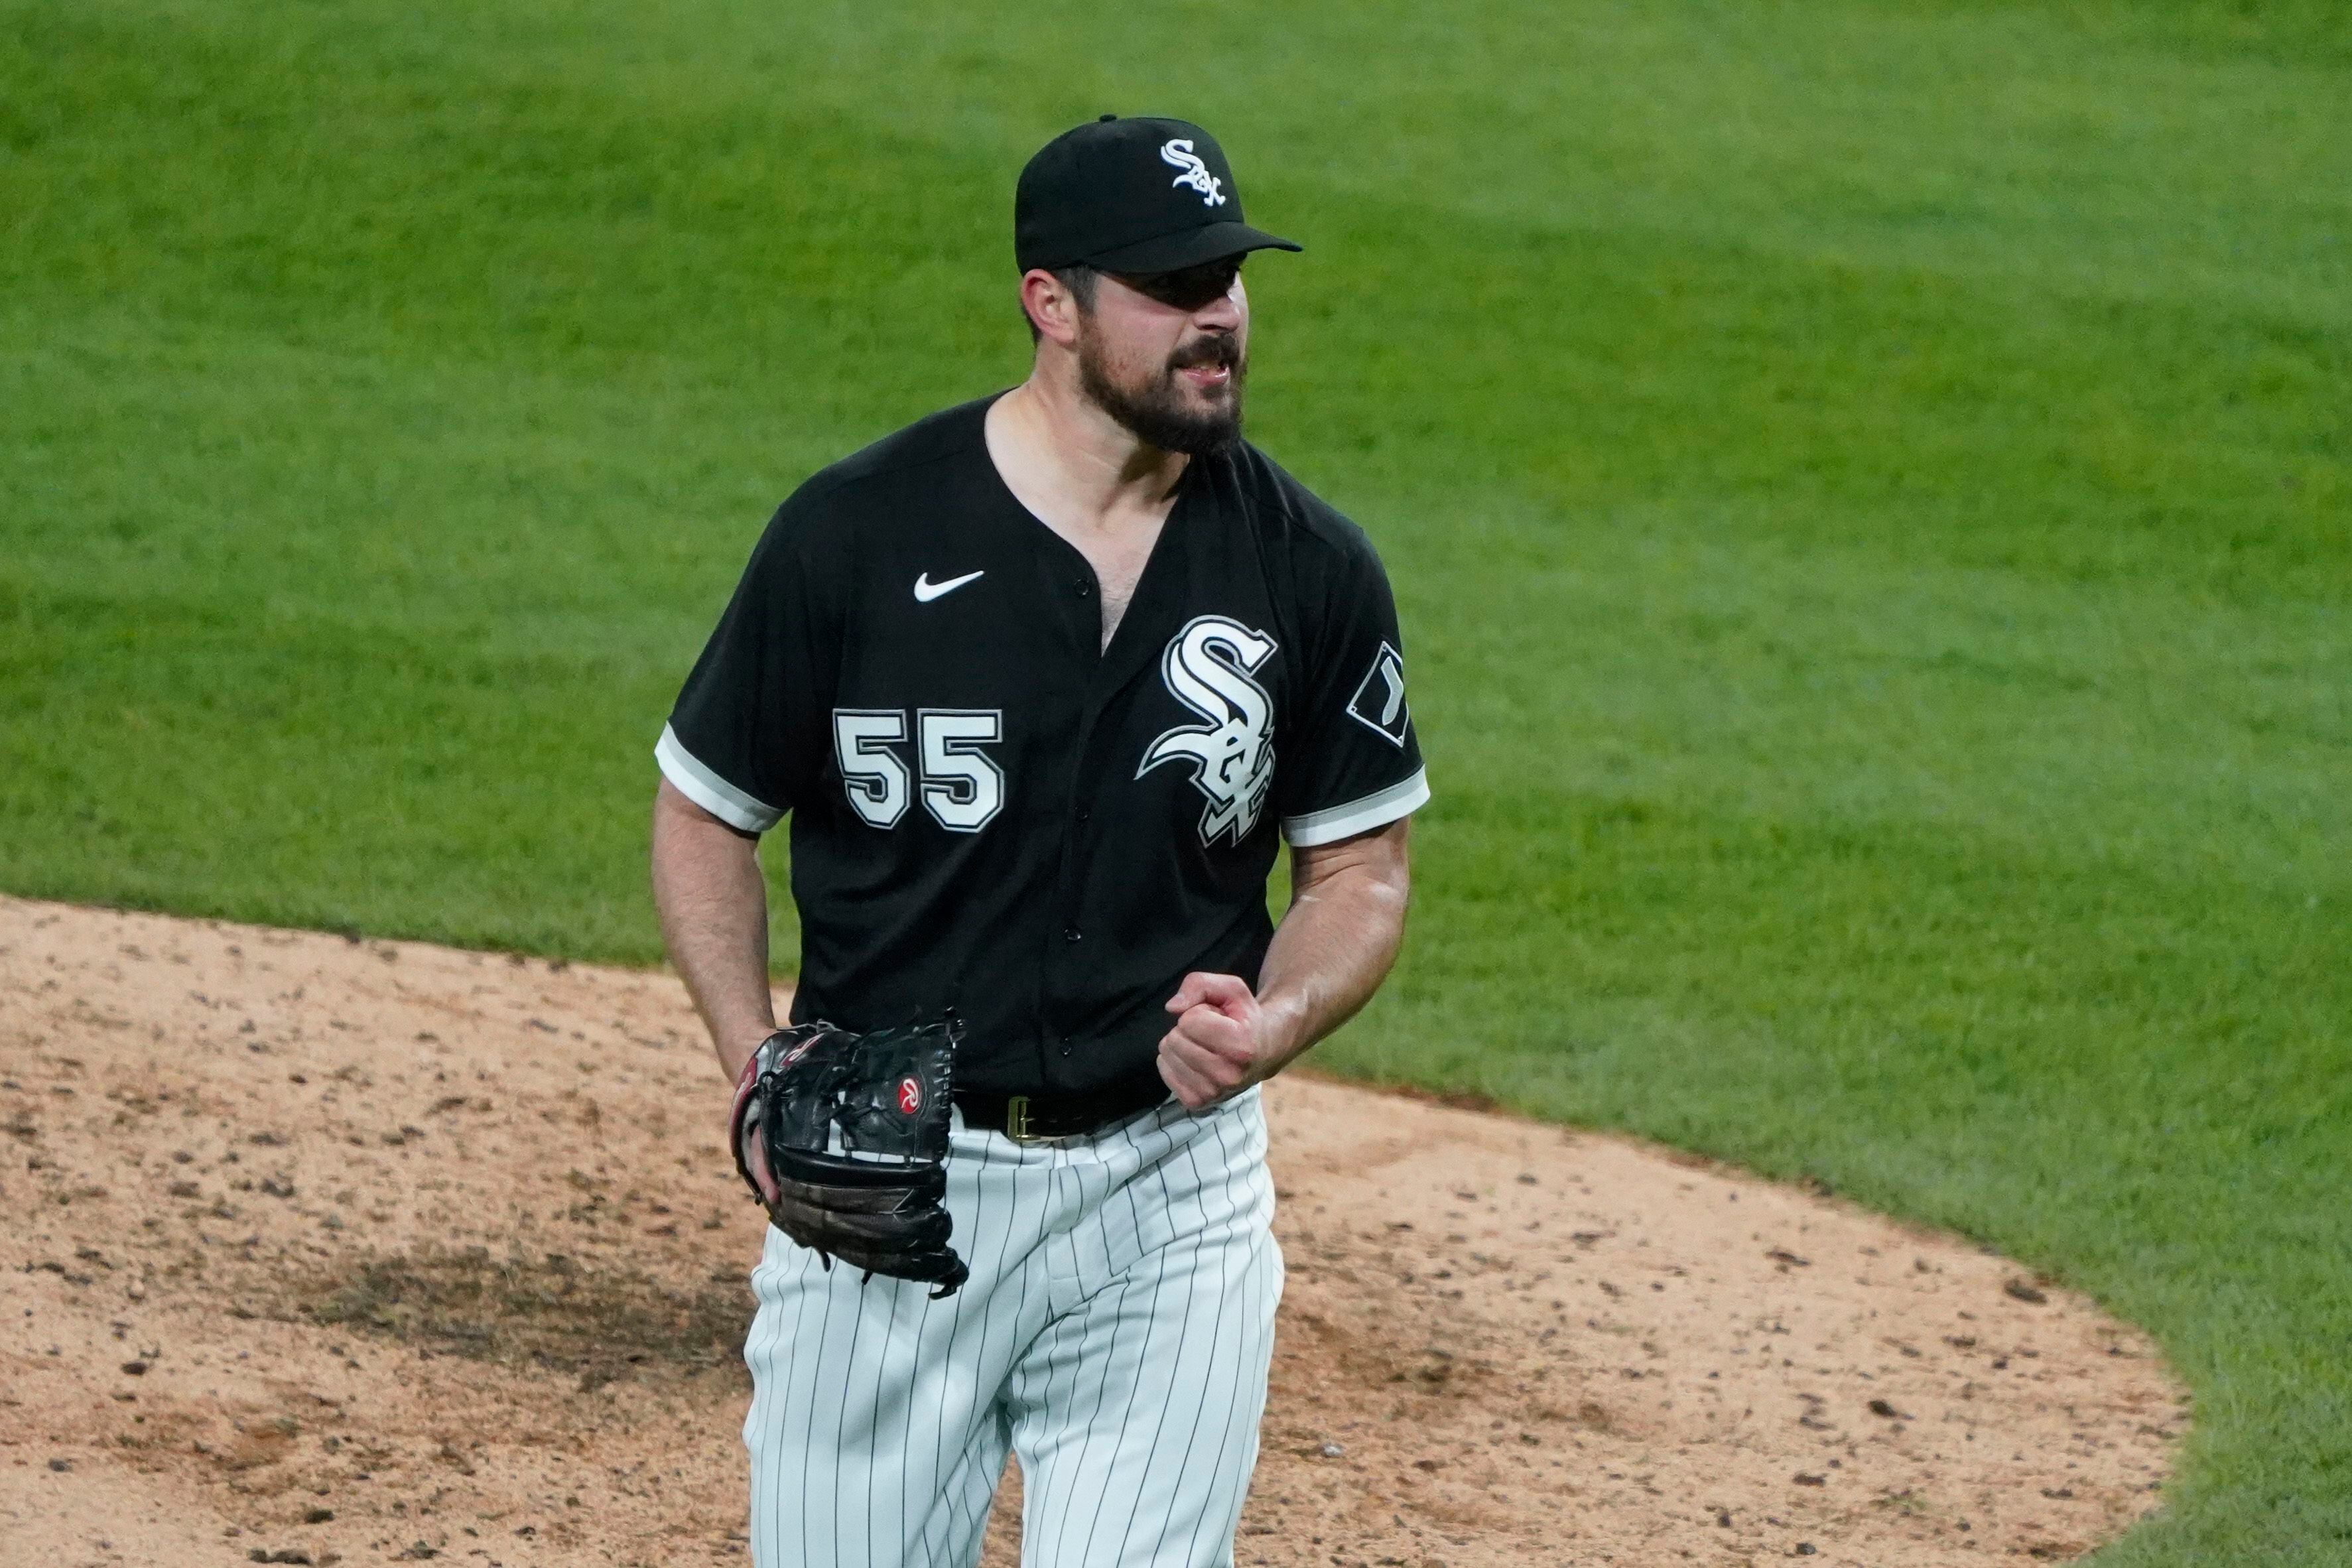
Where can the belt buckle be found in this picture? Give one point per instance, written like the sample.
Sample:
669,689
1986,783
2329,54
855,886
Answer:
1016,1121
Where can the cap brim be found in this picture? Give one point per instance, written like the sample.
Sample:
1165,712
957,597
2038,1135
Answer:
1188,247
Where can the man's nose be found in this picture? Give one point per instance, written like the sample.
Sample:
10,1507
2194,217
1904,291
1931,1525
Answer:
1221,314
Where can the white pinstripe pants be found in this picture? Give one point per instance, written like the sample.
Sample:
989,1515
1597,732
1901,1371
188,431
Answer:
1115,1334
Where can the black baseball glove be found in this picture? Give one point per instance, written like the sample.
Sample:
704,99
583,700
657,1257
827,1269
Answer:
876,1203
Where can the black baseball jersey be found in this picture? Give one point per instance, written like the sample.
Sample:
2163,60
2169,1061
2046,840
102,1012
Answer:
993,815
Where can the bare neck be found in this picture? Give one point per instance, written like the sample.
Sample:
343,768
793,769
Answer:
1076,467
1086,476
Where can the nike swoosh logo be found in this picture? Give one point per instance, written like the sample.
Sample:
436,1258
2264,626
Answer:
926,590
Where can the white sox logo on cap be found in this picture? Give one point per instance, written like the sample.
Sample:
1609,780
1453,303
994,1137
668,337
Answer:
1102,194
1179,154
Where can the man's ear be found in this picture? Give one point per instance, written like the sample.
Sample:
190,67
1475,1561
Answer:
1053,309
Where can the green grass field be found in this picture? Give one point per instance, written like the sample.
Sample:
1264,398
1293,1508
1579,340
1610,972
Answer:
1869,486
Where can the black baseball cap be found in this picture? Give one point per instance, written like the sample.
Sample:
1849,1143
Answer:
1131,195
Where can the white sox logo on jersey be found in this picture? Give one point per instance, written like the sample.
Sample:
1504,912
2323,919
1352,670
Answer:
1208,667
1179,154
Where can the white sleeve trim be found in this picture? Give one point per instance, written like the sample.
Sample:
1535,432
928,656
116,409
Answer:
709,791
1359,816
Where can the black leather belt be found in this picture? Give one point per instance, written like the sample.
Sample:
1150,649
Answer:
1033,1119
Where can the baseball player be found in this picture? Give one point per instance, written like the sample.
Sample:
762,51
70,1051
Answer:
1041,682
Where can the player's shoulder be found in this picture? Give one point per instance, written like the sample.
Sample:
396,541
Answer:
1292,519
924,452
818,529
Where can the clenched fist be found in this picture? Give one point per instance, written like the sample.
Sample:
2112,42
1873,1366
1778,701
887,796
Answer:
1221,1043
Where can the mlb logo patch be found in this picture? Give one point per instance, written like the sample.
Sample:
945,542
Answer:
1379,703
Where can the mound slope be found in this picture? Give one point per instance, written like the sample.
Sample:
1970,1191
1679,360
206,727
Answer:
327,1250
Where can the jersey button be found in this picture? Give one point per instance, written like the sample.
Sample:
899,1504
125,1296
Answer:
1070,934
1085,589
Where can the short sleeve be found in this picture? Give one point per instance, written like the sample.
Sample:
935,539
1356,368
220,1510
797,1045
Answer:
1353,761
748,725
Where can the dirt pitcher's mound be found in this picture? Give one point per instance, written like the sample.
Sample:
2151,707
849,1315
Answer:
329,1250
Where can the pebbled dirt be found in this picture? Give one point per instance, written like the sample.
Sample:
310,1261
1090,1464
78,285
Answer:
323,1250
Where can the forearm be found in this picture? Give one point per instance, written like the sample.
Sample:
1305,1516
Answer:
713,904
1336,942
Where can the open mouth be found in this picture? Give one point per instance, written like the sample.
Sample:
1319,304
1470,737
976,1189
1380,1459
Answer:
1208,363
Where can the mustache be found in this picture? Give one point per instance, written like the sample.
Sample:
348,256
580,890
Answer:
1217,348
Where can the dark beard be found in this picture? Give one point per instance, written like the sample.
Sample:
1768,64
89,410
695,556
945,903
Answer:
1158,417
